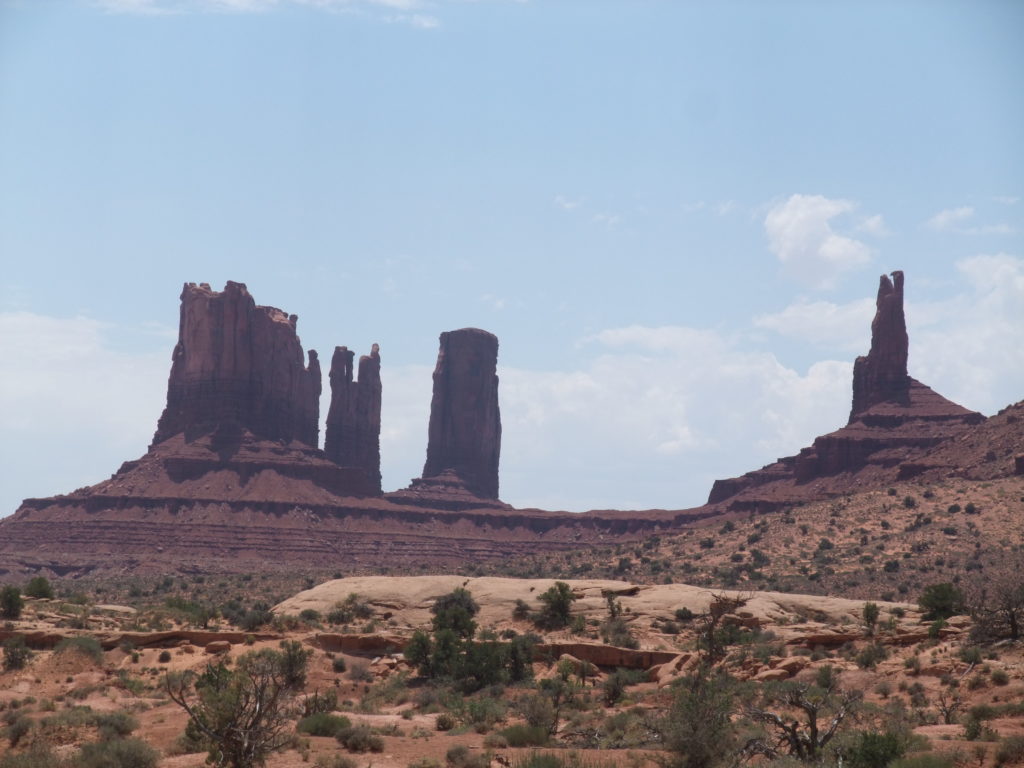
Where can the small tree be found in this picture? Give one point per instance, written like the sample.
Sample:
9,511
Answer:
940,601
698,729
10,602
801,719
870,614
709,637
557,600
39,587
244,715
997,604
16,653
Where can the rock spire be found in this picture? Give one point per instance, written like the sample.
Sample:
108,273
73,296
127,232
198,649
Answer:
238,365
465,423
881,376
353,421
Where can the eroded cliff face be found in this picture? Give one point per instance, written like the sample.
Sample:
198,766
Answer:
353,421
881,376
465,422
894,422
239,366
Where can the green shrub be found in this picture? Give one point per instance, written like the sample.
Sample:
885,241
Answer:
684,614
334,761
115,725
525,735
870,655
924,760
1010,751
360,738
17,729
82,644
16,653
557,603
10,602
940,601
38,756
444,722
126,753
338,664
309,615
323,724
164,657
39,587
999,677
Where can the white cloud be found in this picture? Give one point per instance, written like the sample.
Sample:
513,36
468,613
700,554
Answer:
607,219
949,218
567,204
1007,199
72,407
800,233
874,225
968,347
955,219
845,327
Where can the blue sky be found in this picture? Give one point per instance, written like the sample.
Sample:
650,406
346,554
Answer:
672,214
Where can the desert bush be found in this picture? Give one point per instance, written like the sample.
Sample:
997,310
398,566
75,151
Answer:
115,725
334,761
87,646
320,702
444,722
870,655
425,762
1000,677
39,587
360,738
38,756
557,603
684,614
16,653
323,724
1010,751
525,735
460,756
869,750
352,608
10,602
924,760
164,657
119,753
697,730
338,664
17,729
940,601
240,715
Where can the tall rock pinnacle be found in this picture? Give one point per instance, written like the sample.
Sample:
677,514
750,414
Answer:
353,421
240,365
882,375
465,423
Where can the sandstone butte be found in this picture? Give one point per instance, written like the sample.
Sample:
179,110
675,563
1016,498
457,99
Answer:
235,480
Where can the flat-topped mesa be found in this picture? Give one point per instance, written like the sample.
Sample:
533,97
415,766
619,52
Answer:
881,376
465,423
240,366
353,421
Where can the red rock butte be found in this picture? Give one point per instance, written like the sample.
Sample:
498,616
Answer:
894,421
234,480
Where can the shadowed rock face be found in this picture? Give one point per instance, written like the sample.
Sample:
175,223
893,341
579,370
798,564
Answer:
465,424
239,366
353,421
881,376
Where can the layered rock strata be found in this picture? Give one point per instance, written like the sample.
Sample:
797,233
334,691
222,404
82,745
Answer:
239,366
464,440
894,421
353,420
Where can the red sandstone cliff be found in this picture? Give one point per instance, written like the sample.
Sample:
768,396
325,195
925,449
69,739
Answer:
353,421
240,366
464,440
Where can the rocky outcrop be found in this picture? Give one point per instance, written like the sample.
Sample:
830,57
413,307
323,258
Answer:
881,376
465,423
239,366
353,421
894,422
